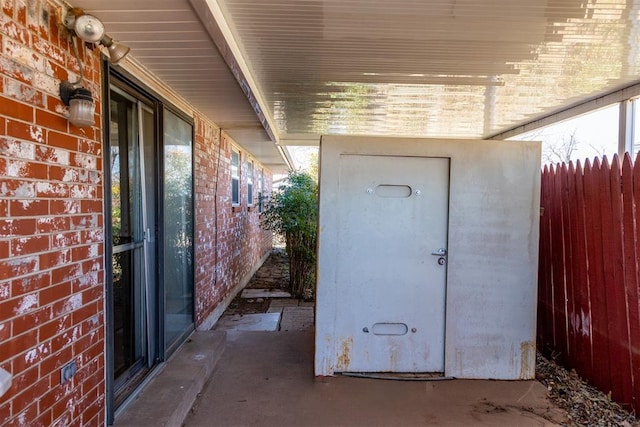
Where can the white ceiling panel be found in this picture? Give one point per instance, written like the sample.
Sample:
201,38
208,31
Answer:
168,38
438,68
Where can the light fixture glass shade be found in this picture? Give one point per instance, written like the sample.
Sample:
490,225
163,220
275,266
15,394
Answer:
81,108
88,28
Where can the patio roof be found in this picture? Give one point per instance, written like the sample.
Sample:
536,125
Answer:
292,70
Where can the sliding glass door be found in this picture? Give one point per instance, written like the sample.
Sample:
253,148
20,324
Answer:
178,228
149,228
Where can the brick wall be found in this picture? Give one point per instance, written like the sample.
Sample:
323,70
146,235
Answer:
241,242
51,225
51,268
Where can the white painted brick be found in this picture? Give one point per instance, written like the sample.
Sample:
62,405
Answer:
46,83
18,149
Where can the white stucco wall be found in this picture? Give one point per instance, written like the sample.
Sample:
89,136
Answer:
493,252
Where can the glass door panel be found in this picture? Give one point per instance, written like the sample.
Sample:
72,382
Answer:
178,228
132,308
150,221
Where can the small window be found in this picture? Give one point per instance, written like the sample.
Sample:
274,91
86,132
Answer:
260,190
250,183
235,177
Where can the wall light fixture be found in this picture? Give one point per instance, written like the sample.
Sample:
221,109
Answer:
89,29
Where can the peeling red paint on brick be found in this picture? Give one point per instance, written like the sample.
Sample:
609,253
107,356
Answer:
51,224
7,7
30,283
46,190
48,50
20,12
23,93
63,174
30,245
17,227
65,207
13,69
25,131
5,331
26,207
53,155
240,241
12,30
17,188
5,291
19,344
15,267
17,149
51,282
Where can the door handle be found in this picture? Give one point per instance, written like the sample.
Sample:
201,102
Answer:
440,252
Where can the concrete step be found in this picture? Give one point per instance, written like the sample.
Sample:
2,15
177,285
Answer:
249,322
167,399
264,293
296,319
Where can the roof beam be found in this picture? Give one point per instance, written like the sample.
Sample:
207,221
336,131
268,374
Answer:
573,111
220,32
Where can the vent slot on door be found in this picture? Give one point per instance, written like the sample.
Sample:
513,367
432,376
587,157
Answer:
393,191
390,329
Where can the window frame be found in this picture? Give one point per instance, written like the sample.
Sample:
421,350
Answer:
260,190
235,177
250,178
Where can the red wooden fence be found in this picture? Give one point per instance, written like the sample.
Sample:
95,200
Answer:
589,273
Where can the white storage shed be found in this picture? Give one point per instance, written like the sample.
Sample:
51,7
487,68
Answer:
428,255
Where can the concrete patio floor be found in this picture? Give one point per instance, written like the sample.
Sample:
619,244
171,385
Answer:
257,378
266,379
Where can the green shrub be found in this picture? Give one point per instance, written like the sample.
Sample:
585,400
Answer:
292,212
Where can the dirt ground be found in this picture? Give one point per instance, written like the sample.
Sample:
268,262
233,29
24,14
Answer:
585,405
274,274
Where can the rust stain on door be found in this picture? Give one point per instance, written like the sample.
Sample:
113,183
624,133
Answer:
344,358
527,360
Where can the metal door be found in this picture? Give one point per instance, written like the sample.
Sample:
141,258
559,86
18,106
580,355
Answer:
391,275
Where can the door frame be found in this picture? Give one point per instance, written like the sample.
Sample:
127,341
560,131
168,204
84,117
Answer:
115,76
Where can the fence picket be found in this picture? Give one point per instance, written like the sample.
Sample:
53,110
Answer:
557,260
631,273
614,282
567,270
577,351
583,318
636,303
599,329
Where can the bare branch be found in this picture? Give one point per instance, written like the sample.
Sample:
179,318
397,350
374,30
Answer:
562,152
